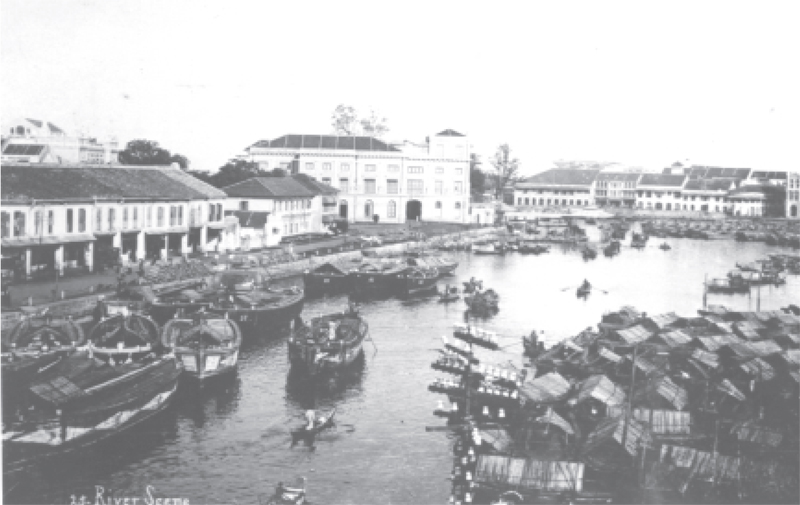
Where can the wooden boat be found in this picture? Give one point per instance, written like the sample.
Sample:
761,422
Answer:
415,280
532,248
486,249
245,297
444,266
72,412
623,318
291,494
612,249
124,337
731,285
327,343
664,247
327,279
186,301
584,289
376,277
483,302
206,344
588,253
315,425
35,343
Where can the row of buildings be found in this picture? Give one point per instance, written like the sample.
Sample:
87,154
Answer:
732,191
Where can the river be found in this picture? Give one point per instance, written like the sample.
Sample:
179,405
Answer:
229,443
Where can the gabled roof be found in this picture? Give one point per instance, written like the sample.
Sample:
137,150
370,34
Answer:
662,180
449,133
561,177
769,175
21,182
328,142
23,149
697,172
618,176
709,185
269,187
314,185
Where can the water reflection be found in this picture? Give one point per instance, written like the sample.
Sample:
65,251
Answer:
304,392
215,398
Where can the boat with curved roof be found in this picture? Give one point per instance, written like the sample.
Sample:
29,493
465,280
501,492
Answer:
206,344
328,343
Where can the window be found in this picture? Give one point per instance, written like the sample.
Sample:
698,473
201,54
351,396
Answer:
326,180
368,208
369,168
37,222
5,224
439,170
438,205
519,200
458,205
112,219
98,222
136,217
369,186
394,168
310,166
459,171
244,205
458,187
124,217
173,215
326,166
211,212
392,208
415,186
219,212
51,221
82,220
70,215
392,187
414,170
161,216
180,215
344,185
438,187
19,224
345,167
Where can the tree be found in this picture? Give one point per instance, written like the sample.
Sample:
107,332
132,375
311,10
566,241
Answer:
345,121
144,152
181,160
236,171
506,169
477,177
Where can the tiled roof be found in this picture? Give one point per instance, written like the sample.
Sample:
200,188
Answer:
54,182
661,180
449,133
274,187
315,185
708,185
54,128
35,122
697,172
618,176
23,149
769,175
334,142
561,177
763,191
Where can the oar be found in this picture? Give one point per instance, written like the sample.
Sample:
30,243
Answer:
568,287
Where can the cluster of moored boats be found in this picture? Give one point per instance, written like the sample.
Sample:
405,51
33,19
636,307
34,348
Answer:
770,271
771,233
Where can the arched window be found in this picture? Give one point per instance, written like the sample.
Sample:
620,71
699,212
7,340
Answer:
368,209
391,209
438,205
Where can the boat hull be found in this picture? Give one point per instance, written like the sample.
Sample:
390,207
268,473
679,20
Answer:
163,312
325,284
370,283
262,318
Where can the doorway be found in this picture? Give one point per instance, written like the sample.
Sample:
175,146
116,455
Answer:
413,210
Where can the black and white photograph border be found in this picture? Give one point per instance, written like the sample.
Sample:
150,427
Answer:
399,253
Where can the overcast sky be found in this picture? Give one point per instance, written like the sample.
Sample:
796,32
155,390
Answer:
641,83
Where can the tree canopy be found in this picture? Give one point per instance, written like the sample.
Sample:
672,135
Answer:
148,152
477,177
506,169
346,121
236,171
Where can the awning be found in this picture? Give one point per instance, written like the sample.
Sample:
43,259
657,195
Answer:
48,240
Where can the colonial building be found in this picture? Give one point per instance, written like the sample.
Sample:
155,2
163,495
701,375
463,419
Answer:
36,141
660,191
271,208
79,217
793,194
390,182
616,189
556,188
748,200
707,195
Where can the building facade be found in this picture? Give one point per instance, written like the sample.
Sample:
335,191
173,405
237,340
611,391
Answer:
707,195
271,208
793,194
82,217
660,191
556,188
36,141
389,182
616,189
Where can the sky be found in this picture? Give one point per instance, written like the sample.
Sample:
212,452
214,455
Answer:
640,83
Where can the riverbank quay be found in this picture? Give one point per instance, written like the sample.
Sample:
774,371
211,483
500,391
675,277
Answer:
82,293
645,409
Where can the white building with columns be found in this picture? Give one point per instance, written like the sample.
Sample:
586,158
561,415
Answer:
395,182
75,217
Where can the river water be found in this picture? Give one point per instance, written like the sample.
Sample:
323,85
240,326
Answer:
230,443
